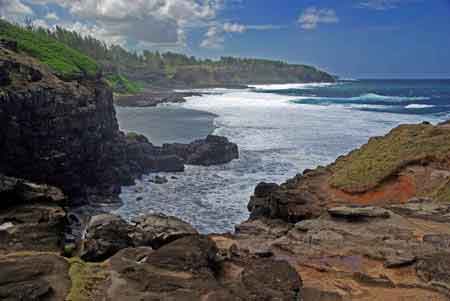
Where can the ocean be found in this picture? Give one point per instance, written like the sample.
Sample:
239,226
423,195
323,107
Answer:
280,131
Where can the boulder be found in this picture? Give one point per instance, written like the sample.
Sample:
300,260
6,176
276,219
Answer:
213,150
34,277
156,230
159,180
264,189
105,235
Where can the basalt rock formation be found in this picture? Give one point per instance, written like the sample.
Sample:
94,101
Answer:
154,258
374,225
64,132
151,99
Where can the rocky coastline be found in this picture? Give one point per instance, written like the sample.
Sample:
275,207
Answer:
152,98
374,225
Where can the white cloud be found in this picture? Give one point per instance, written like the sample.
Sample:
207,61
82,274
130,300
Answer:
313,16
152,22
14,9
380,4
234,27
52,17
213,38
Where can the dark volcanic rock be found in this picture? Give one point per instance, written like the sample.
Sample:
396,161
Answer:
65,133
210,151
156,230
159,180
106,234
265,189
152,99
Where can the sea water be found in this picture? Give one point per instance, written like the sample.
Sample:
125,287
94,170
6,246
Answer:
280,131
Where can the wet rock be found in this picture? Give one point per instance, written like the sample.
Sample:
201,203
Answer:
34,277
159,180
156,230
358,212
105,235
213,150
265,189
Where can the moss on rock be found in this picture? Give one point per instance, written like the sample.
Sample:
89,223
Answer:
381,158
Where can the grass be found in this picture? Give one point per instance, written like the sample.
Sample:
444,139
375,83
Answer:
122,85
380,158
63,60
85,279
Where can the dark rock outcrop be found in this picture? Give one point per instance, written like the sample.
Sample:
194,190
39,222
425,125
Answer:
65,133
211,151
152,99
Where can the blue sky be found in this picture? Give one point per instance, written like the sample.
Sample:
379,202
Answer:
350,38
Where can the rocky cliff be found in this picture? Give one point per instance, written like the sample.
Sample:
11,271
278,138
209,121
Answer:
374,225
64,131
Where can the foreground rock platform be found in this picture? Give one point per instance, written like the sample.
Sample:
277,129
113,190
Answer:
374,225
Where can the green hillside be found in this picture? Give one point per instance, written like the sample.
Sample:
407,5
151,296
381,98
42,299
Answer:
62,59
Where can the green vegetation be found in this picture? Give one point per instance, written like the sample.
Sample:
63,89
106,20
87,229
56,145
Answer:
367,167
62,59
70,53
85,278
122,85
168,69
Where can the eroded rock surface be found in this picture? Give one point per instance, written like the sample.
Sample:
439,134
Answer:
156,230
34,277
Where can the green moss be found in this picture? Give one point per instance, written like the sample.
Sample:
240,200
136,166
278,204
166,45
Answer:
86,278
367,167
59,57
122,85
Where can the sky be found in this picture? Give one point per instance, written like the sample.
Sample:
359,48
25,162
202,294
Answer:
348,38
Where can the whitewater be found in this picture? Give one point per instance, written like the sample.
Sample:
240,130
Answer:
280,130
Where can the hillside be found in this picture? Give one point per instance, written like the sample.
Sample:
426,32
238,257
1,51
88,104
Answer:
130,72
62,59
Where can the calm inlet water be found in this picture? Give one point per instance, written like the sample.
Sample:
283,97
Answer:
280,130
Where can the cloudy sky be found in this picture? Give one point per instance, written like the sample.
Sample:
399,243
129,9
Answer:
351,38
